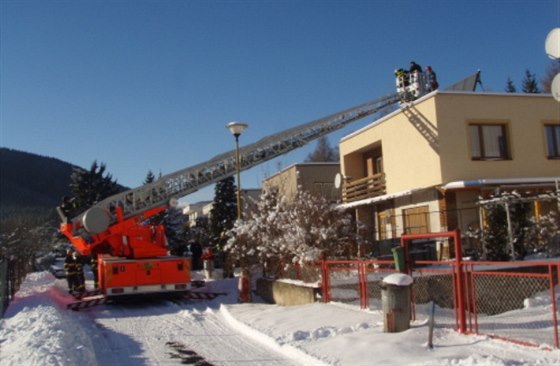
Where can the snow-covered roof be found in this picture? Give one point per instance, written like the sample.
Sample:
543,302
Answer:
496,181
381,198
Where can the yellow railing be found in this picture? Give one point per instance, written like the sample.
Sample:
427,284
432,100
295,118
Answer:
363,188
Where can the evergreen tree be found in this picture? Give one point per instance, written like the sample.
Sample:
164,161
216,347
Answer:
510,86
520,216
495,236
91,186
224,210
222,217
525,231
173,220
150,177
323,152
175,230
529,83
544,236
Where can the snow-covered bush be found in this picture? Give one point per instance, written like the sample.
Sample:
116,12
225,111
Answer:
302,230
545,235
511,214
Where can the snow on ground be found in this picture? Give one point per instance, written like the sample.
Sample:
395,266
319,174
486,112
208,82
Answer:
38,330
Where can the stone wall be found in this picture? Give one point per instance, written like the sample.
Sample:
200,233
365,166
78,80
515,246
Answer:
284,293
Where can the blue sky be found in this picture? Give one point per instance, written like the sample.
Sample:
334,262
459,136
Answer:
150,85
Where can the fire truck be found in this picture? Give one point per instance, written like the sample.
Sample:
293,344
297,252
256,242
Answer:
131,249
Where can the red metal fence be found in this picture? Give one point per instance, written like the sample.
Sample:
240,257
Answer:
515,301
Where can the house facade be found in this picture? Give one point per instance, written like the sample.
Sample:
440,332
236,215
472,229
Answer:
314,177
424,167
197,211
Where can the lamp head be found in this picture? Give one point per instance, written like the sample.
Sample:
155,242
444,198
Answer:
236,128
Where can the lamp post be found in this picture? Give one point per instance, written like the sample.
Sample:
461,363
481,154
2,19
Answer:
236,128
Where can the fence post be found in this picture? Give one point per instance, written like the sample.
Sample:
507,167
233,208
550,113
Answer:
460,283
4,295
553,301
325,281
362,278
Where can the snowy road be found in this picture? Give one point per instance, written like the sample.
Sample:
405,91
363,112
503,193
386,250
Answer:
141,335
37,330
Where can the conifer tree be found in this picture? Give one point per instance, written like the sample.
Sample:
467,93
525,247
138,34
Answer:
92,186
529,83
495,237
510,86
224,210
150,177
175,230
222,217
520,216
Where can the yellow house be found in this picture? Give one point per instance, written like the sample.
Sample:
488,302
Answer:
314,177
423,167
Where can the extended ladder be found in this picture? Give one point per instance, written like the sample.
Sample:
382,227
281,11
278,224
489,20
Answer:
183,182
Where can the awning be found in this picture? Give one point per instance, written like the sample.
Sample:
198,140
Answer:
498,181
376,199
453,185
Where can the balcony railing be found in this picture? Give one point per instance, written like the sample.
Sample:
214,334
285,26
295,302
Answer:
363,188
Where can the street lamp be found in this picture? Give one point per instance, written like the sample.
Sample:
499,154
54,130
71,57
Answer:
236,128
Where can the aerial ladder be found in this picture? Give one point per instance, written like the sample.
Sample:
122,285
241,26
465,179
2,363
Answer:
132,251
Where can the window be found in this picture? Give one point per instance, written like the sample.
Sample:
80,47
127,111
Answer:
379,164
386,225
552,141
373,162
489,142
416,220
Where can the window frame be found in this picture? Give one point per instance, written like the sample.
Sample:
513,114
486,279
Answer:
416,220
482,143
552,135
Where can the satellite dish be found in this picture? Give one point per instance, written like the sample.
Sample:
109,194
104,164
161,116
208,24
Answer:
552,44
555,87
337,181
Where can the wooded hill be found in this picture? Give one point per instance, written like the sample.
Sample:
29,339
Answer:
30,180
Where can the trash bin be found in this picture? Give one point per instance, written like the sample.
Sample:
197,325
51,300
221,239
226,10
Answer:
398,256
395,299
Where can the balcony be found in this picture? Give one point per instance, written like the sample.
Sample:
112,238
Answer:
362,188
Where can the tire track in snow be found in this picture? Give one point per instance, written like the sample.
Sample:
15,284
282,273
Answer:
138,335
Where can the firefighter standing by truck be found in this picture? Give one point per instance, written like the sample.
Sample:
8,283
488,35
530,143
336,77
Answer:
74,273
70,270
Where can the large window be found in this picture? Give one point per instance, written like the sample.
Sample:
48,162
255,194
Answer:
552,141
416,220
489,142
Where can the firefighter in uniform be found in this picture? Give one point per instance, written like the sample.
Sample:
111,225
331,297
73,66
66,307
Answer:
71,271
80,277
93,264
68,206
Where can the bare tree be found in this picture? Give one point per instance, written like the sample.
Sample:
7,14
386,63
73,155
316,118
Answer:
552,70
323,152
